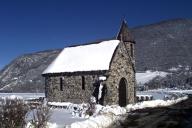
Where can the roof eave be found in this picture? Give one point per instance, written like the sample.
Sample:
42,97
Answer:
76,73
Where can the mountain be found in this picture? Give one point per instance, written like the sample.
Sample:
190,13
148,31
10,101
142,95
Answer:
24,73
159,46
164,45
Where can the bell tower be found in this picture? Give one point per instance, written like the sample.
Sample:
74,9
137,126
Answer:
127,39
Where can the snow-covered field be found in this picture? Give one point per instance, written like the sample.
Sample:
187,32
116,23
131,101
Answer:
104,116
25,96
144,77
59,118
161,94
63,117
177,91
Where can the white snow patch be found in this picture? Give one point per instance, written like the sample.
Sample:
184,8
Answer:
145,77
187,68
77,110
173,91
102,78
84,58
49,125
6,86
25,96
100,91
67,104
182,91
165,94
154,103
63,117
173,69
101,121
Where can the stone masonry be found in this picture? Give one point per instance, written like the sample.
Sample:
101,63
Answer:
122,66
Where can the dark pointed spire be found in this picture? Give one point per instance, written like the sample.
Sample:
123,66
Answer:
124,33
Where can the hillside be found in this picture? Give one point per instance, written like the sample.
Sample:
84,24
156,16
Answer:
159,46
164,45
24,73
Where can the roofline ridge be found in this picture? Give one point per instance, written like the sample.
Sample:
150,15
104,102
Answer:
92,42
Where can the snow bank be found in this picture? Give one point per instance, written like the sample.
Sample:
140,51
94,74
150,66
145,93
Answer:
63,104
90,57
145,77
77,110
49,125
174,69
12,97
110,114
101,121
153,103
103,116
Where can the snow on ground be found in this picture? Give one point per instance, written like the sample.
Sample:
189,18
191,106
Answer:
181,91
157,95
105,116
162,94
63,117
174,69
172,91
165,94
60,103
49,125
110,114
25,96
144,77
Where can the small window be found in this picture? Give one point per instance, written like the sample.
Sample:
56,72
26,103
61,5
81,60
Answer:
61,84
131,45
83,82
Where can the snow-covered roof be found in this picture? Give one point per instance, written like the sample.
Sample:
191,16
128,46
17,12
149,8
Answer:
92,57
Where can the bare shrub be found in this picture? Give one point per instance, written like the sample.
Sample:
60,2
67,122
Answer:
91,109
40,116
12,113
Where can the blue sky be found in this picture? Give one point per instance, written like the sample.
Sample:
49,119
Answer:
34,25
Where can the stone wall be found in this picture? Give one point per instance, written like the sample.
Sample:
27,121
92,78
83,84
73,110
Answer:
72,88
121,67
